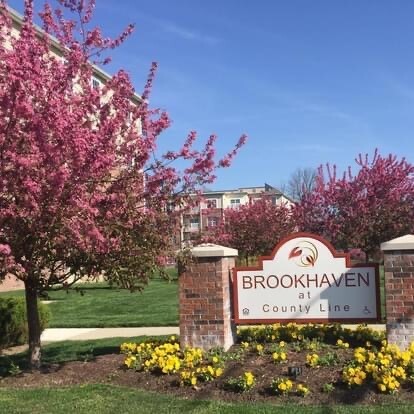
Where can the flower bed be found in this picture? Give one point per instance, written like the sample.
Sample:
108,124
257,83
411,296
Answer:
295,361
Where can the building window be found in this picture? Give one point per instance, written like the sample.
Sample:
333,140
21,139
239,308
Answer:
194,223
170,207
235,203
212,221
212,203
96,84
275,200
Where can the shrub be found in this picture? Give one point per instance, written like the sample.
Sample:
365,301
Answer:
13,321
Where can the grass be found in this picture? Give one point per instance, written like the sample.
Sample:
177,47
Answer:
98,305
109,399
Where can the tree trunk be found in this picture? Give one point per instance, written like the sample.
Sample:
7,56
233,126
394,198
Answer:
33,322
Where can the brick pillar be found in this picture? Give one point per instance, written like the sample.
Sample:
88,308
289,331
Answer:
399,289
205,298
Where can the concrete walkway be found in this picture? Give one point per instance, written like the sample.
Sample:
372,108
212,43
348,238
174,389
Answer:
79,334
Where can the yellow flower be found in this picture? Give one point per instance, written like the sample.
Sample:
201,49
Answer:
312,360
359,357
302,389
358,381
406,357
249,379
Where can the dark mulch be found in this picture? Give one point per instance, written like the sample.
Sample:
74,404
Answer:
109,369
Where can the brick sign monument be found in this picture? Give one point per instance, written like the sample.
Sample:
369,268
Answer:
304,280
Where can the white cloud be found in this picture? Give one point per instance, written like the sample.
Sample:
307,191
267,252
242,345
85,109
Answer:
186,33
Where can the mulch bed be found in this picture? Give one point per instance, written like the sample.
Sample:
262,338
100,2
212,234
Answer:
109,369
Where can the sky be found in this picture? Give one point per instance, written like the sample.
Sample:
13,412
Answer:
309,82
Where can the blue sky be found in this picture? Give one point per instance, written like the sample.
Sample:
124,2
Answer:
310,82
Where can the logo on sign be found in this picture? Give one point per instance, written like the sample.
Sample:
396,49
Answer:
304,254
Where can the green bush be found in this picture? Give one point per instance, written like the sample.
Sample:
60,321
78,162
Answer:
13,321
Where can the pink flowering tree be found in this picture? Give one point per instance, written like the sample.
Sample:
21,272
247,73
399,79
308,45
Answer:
82,190
362,210
253,229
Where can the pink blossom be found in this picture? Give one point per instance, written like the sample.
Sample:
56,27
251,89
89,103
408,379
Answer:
5,249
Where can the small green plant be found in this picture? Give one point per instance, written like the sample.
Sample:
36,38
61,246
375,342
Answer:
215,351
242,383
236,355
329,359
14,369
277,347
311,345
328,387
296,346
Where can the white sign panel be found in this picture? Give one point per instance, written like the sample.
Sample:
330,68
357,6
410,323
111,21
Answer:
306,280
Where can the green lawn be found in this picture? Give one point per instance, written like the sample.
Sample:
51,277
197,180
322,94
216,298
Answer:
102,306
109,399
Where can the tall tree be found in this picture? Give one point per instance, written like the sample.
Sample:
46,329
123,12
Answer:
301,182
254,228
362,210
81,192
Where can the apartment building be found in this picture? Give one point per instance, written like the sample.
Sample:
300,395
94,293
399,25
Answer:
210,211
99,77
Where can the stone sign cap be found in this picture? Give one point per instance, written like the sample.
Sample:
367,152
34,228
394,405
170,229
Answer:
400,243
213,250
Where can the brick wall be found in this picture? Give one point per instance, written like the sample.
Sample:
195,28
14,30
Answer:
205,303
399,296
